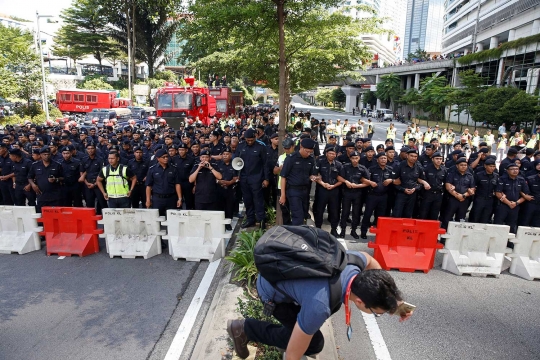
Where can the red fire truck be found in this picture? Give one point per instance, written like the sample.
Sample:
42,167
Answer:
84,101
227,100
176,103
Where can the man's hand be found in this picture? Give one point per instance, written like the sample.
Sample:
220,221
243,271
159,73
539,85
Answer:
265,183
373,184
528,197
91,186
52,180
512,204
282,200
298,343
148,203
427,186
387,182
35,187
106,196
179,203
129,193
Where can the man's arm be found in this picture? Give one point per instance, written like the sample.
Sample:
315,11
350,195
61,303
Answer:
298,343
371,262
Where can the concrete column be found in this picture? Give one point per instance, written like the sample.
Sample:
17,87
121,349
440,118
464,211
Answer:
377,79
512,35
479,47
417,81
351,93
500,71
466,51
493,42
535,27
408,82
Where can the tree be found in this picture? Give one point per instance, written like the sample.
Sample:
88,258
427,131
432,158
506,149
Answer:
489,102
411,97
389,90
464,97
85,30
522,108
28,75
434,96
338,96
95,83
323,96
370,98
418,55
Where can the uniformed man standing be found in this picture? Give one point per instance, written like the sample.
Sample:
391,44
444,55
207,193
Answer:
435,175
510,190
163,191
253,177
529,217
288,146
45,177
227,185
354,177
327,191
484,199
460,185
6,184
184,163
204,175
139,167
92,165
120,181
22,189
381,177
408,172
72,171
296,176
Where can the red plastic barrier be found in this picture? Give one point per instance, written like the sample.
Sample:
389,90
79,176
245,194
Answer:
406,244
70,231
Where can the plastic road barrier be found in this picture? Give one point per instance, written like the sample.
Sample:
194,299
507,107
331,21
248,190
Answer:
19,231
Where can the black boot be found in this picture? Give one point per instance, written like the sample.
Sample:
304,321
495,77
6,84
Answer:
228,227
354,234
342,234
263,225
363,236
333,232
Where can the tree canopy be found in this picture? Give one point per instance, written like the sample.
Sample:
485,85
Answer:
389,90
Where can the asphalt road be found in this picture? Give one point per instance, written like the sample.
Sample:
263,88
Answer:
457,317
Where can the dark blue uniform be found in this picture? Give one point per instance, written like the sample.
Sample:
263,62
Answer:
297,171
530,216
484,198
51,193
206,191
163,183
512,189
352,197
457,209
432,198
92,167
6,186
252,176
404,204
139,169
184,166
324,197
227,195
377,198
21,169
270,192
72,189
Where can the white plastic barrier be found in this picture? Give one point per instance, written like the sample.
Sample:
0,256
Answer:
19,229
197,235
526,255
475,249
132,232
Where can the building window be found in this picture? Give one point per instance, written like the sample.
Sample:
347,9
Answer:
91,98
65,98
78,98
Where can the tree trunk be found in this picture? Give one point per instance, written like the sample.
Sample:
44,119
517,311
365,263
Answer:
283,103
134,47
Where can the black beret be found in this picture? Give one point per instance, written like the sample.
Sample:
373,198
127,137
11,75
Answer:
380,146
215,133
529,151
412,151
455,152
429,146
308,143
512,151
388,148
329,148
379,155
483,150
17,152
369,148
461,160
274,135
183,146
332,137
249,134
512,165
227,149
436,154
349,145
404,148
45,150
68,148
354,153
137,148
483,143
90,144
205,151
5,146
489,162
160,153
287,143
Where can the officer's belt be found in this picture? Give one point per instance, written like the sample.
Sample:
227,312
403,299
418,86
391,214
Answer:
21,182
437,191
378,193
164,196
297,187
484,196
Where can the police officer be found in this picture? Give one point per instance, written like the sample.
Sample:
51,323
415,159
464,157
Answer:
381,177
139,167
288,147
120,181
529,217
72,171
270,192
425,158
6,184
435,176
460,185
227,185
510,190
22,188
163,191
354,177
253,177
92,165
327,190
45,177
484,199
408,172
296,176
184,163
204,175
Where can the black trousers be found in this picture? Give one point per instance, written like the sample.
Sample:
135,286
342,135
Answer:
20,196
187,194
375,204
529,214
404,205
227,201
456,210
482,210
6,187
506,216
205,206
299,205
138,196
430,205
91,195
279,335
253,201
286,213
350,199
164,204
72,195
324,198
270,193
41,203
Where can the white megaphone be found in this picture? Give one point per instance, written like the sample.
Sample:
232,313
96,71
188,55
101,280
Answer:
237,163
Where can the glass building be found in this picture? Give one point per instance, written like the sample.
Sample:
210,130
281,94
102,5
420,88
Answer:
424,26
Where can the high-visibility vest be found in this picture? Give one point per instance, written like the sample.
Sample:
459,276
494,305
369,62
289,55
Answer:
427,136
391,133
117,182
531,144
281,160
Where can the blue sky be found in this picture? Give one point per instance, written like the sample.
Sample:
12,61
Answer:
26,9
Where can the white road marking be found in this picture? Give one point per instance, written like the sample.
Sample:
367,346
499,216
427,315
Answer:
61,258
374,332
179,341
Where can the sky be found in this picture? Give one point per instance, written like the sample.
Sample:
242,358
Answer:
26,9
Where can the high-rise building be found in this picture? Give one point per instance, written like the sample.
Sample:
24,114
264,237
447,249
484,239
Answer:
487,23
424,26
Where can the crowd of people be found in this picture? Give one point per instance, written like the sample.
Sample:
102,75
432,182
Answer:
435,175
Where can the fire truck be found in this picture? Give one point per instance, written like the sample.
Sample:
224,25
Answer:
84,101
228,101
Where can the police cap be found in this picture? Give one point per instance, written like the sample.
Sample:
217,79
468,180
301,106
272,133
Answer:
380,154
45,150
489,162
308,144
369,148
287,143
249,134
436,155
461,160
160,153
16,152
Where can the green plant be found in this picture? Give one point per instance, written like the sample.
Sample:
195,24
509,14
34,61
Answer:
497,52
270,216
242,256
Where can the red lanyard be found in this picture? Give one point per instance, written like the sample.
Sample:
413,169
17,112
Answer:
347,308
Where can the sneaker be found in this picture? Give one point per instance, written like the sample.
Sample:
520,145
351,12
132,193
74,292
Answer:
235,329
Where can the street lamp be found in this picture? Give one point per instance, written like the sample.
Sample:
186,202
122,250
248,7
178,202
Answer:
45,102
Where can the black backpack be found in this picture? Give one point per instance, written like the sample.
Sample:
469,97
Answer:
299,252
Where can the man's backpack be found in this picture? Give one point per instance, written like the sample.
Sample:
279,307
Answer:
300,252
